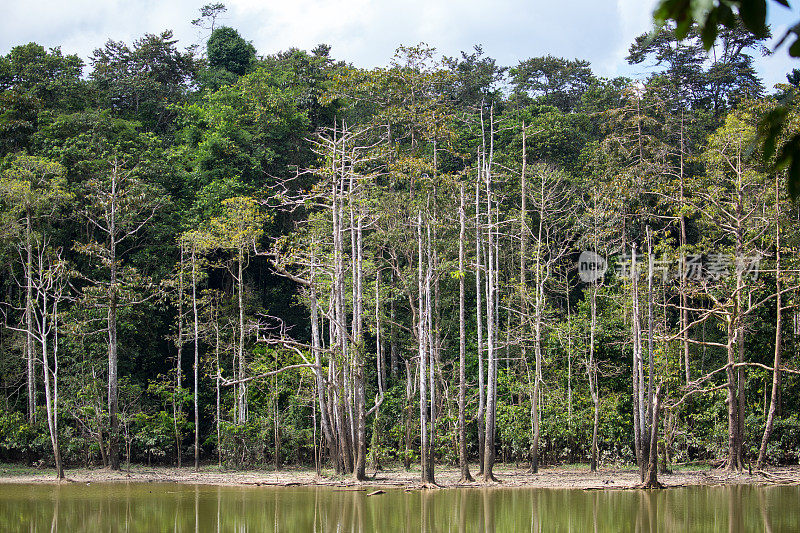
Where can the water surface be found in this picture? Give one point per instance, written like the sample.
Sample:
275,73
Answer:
155,507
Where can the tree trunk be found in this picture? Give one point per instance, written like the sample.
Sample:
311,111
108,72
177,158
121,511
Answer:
651,481
422,337
196,362
51,398
392,334
684,314
650,398
776,364
113,396
316,349
537,379
30,355
592,371
462,348
569,363
491,356
176,395
735,349
731,399
407,416
380,360
217,380
381,372
338,325
639,421
358,349
242,392
431,349
479,321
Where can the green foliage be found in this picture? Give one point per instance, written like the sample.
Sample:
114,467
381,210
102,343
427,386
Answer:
229,57
238,159
16,435
144,82
551,81
752,15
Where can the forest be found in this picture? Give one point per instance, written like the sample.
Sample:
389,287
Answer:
213,256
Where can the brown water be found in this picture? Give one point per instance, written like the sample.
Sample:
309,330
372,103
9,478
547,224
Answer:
186,508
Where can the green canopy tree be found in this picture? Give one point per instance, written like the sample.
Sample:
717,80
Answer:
119,206
31,190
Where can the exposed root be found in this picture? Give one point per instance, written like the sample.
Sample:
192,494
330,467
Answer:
651,485
778,479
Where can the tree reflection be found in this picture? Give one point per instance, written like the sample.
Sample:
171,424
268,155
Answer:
179,508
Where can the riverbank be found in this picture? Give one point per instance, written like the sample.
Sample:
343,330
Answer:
559,477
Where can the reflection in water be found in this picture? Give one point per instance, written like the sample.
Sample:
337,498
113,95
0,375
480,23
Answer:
181,508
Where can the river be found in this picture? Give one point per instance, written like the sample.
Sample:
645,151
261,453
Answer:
159,507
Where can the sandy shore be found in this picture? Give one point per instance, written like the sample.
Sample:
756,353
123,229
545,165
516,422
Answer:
561,477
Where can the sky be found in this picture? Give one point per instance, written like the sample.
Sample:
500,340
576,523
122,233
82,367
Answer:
366,33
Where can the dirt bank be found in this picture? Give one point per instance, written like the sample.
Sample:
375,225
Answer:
561,477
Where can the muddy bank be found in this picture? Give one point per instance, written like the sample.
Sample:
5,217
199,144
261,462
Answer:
561,477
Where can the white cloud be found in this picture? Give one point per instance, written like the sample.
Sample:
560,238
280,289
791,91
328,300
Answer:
365,32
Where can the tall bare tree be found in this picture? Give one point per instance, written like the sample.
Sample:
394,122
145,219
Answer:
119,208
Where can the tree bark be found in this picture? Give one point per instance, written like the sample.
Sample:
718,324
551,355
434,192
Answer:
776,364
480,417
684,314
242,387
639,422
30,350
651,481
592,371
491,356
217,380
537,379
316,349
422,337
359,385
196,366
431,349
51,394
176,395
113,395
462,347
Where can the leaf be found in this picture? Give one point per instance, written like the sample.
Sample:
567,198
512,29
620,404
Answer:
457,274
754,16
790,157
770,128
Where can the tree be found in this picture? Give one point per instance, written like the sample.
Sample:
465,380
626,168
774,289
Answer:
462,345
551,81
243,137
208,15
50,286
732,201
752,15
779,309
237,231
491,307
229,57
728,79
119,207
553,228
32,188
144,82
198,243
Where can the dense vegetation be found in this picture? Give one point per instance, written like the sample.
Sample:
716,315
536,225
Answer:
286,259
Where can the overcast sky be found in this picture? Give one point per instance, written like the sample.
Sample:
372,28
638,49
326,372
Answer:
366,32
